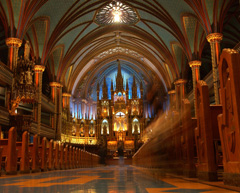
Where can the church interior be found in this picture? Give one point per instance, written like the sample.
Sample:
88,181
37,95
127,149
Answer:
119,96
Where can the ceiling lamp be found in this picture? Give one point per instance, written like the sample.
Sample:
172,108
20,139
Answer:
116,12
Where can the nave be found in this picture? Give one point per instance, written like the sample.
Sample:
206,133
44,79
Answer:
105,179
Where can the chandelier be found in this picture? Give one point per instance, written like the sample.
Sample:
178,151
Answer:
116,12
23,88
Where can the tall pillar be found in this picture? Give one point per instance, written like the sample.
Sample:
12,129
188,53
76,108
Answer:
180,92
195,65
66,103
13,45
172,96
60,105
54,96
77,110
39,69
214,40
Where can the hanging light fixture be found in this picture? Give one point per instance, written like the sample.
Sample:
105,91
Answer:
116,11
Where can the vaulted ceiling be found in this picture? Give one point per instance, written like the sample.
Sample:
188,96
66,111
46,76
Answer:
75,49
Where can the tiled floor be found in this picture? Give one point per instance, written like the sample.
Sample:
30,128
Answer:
110,179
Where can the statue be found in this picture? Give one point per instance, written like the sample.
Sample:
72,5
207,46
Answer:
27,50
28,76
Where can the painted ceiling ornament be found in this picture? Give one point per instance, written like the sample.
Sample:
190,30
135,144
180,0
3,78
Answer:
116,12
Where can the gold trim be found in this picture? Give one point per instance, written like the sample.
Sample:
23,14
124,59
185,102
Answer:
13,42
66,94
39,68
180,81
195,63
171,92
55,84
230,51
214,37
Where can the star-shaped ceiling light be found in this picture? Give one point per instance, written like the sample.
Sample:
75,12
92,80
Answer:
116,12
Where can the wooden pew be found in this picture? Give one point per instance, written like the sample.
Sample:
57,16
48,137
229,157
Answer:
50,157
74,157
70,157
79,158
205,133
188,126
1,150
229,120
56,156
34,155
66,158
9,153
24,156
43,154
62,151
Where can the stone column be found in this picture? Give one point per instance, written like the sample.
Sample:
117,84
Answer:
172,96
66,103
180,92
195,65
39,69
54,96
214,40
13,45
77,110
60,105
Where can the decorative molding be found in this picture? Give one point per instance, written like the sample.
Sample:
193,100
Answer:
180,81
13,42
214,37
55,84
66,94
230,51
171,92
39,68
195,63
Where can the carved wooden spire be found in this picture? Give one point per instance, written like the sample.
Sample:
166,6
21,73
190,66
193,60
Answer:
105,89
119,79
134,88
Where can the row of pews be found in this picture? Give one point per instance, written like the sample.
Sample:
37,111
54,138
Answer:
206,146
25,157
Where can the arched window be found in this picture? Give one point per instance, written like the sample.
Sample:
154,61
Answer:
135,126
105,127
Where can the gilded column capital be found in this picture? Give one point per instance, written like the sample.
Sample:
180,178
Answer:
66,94
171,92
214,37
13,42
230,51
55,84
195,63
180,81
39,68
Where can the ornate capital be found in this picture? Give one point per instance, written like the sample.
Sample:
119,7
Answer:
66,94
195,63
55,84
180,81
13,42
230,51
39,68
214,37
171,92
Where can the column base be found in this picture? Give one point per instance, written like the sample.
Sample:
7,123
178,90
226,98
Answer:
207,176
11,173
232,179
189,173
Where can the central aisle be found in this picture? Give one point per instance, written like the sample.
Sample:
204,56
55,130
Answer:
109,179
